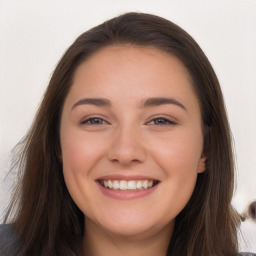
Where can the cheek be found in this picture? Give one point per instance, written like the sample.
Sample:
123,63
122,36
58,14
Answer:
178,153
80,154
80,151
179,157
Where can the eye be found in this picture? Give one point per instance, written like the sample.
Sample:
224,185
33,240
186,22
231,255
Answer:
161,121
94,121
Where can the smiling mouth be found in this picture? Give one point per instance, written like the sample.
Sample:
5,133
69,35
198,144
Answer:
128,184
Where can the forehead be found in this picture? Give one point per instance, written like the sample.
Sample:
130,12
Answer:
134,72
115,54
128,60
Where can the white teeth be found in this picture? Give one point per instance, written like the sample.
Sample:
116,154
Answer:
127,185
131,184
123,184
145,184
110,184
139,184
116,184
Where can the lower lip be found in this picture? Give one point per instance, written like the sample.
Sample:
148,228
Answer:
126,194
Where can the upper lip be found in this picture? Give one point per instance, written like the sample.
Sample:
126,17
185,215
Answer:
126,177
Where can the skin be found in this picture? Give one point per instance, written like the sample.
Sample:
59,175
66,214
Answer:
163,142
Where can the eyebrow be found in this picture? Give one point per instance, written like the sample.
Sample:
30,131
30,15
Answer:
150,102
100,102
158,101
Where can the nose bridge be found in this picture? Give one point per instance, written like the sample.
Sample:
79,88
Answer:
127,145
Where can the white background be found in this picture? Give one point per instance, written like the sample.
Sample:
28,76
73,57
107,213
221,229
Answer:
34,35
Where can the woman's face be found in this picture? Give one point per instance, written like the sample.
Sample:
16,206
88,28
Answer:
131,140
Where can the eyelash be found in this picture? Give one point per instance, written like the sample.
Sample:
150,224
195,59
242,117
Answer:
90,121
159,121
163,121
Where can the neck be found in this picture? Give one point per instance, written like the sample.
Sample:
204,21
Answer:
100,242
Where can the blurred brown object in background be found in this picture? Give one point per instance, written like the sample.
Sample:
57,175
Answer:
249,212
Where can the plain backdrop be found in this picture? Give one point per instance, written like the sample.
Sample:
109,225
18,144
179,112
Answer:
34,35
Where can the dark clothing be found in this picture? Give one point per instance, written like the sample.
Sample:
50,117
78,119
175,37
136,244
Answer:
9,242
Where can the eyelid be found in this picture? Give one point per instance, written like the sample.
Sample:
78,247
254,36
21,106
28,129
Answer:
86,121
168,120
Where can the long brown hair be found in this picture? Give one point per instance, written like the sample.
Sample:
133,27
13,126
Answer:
47,220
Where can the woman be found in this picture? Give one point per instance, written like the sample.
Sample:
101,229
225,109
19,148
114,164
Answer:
130,152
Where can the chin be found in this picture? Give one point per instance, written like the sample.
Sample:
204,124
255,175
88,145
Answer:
133,224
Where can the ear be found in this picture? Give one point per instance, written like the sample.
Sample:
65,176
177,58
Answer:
201,164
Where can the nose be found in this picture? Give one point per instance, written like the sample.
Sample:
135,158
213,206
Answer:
127,147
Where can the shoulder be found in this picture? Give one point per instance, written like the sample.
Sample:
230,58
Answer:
7,231
8,240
